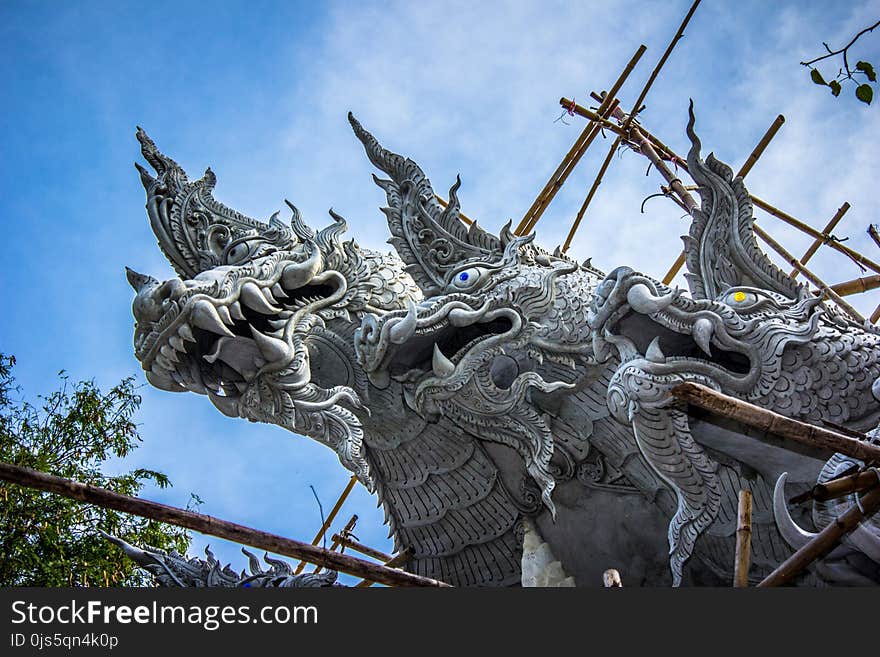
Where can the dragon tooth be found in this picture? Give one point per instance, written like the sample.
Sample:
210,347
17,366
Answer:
272,348
654,353
278,291
268,294
235,311
177,342
277,323
223,311
702,334
165,363
186,333
205,316
169,352
253,298
441,365
215,352
403,329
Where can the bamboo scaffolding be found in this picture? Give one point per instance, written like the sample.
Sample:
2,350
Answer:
819,440
825,540
857,285
678,35
345,541
752,159
815,280
841,487
674,269
743,556
211,526
576,152
875,315
826,239
592,192
395,562
330,518
349,526
831,225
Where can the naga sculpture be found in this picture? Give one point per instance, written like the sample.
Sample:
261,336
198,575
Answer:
480,385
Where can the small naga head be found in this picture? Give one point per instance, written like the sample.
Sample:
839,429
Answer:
255,306
500,319
747,327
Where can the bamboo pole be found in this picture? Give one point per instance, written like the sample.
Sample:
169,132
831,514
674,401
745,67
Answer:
611,579
818,282
875,315
824,440
743,556
826,239
395,562
349,526
825,540
363,549
330,518
761,146
592,192
674,269
678,35
461,215
211,526
841,487
857,285
819,242
576,152
874,233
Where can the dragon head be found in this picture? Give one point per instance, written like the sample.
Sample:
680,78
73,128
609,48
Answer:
255,306
500,316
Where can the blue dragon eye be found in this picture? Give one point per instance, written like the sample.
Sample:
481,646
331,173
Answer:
463,276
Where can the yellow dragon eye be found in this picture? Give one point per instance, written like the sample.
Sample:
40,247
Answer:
739,297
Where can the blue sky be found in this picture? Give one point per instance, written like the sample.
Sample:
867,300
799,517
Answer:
259,91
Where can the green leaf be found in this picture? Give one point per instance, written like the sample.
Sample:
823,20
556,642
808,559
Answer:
835,88
864,93
816,76
867,69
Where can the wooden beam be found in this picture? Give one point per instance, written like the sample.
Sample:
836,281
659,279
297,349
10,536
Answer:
761,146
330,518
819,242
825,540
815,280
743,557
773,423
211,526
533,214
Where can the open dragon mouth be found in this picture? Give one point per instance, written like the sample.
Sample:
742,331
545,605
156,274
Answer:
433,338
218,333
643,319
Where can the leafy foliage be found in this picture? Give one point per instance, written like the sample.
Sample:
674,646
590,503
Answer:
863,77
50,540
